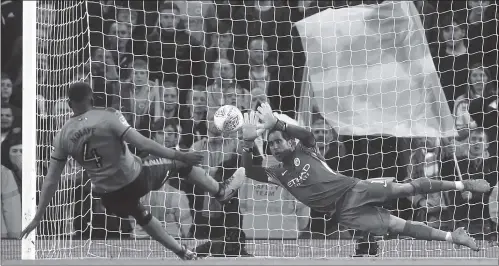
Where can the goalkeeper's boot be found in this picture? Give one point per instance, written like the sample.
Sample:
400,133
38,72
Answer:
461,237
186,254
476,185
231,185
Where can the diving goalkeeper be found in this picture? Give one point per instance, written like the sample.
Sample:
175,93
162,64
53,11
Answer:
305,174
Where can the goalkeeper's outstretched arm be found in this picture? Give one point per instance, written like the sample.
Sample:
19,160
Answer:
272,123
306,137
257,173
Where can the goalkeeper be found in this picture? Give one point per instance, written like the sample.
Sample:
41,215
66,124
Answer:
304,173
95,138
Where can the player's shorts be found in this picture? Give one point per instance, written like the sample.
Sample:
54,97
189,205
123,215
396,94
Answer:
124,201
359,209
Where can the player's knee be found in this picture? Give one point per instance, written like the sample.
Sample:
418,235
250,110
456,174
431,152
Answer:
396,224
141,215
184,171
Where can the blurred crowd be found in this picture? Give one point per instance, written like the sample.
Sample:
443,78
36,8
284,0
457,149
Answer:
167,66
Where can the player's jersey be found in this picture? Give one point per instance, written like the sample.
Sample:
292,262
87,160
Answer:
94,140
311,181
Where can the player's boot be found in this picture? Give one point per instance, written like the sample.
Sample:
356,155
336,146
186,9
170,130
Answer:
186,254
231,185
461,237
476,185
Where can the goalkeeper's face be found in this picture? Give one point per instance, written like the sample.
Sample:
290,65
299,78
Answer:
280,147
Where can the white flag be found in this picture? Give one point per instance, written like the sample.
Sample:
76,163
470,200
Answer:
371,72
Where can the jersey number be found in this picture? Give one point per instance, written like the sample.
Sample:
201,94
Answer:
90,155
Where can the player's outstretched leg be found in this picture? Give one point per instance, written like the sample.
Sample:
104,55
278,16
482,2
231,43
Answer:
222,191
124,206
421,231
155,229
425,185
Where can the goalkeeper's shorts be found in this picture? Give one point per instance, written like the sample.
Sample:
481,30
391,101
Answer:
360,208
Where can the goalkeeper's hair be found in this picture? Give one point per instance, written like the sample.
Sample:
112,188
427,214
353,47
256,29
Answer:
284,134
79,91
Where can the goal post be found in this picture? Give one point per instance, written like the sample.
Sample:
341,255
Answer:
54,55
29,125
106,43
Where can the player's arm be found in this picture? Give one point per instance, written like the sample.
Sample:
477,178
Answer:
58,160
270,122
128,134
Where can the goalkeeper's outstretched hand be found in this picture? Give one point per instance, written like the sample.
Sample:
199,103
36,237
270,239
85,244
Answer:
266,116
251,127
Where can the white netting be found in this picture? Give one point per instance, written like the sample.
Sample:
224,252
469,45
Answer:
168,66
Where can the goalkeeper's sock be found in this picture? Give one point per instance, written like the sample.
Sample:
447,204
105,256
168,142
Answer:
425,185
423,232
459,185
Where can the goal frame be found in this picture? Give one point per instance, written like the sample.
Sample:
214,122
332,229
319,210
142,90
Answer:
29,81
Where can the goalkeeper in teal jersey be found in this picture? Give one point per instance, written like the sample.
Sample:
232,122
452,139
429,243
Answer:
305,174
96,138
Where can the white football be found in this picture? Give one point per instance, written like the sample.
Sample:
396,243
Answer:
228,118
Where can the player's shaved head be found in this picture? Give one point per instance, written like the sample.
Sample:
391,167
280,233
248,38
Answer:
79,92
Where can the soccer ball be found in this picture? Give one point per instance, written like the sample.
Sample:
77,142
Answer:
228,118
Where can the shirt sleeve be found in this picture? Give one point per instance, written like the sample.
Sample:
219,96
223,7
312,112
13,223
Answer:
59,153
273,174
310,151
118,124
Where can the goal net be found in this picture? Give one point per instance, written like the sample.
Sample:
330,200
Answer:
385,88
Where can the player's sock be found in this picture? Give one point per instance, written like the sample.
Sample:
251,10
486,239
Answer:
421,231
425,185
459,185
155,229
221,189
199,177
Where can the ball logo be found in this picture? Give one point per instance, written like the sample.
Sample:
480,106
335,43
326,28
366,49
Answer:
220,112
228,118
297,162
231,122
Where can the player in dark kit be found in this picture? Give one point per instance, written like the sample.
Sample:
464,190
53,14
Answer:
96,138
304,173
